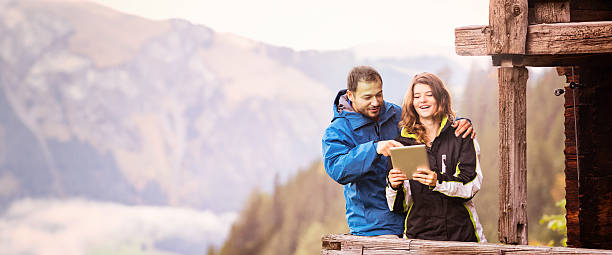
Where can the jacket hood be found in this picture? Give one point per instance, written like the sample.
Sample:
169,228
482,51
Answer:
342,102
344,109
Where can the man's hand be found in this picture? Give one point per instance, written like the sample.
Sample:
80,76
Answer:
384,147
425,176
464,127
396,178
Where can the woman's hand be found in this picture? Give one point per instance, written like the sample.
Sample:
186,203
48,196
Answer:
425,176
396,178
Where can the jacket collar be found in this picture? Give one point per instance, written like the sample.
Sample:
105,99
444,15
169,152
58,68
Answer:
444,125
356,119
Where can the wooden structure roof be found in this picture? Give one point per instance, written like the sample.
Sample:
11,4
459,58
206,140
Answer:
576,37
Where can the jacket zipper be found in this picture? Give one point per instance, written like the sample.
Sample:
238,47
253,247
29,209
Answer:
377,131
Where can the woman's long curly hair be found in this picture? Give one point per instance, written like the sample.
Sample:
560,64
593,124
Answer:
410,118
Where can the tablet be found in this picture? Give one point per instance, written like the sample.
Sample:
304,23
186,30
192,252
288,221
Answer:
409,158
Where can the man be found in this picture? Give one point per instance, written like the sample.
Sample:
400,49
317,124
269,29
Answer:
356,149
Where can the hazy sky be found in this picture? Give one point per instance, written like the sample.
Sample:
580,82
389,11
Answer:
402,25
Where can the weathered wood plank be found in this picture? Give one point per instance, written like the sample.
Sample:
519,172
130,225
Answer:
470,40
550,12
375,245
512,155
579,10
508,24
544,39
570,38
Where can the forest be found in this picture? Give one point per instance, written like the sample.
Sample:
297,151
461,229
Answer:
292,219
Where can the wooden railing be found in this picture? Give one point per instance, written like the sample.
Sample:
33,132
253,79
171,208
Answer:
349,244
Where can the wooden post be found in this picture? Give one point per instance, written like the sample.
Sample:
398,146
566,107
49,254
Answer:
508,27
508,21
512,155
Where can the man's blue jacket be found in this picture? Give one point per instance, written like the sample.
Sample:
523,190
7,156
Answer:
349,152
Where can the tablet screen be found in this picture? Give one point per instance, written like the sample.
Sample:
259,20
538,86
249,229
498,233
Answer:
409,158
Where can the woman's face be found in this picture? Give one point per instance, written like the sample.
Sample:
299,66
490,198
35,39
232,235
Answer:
423,101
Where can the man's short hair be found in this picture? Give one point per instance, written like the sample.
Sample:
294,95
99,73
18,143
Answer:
361,73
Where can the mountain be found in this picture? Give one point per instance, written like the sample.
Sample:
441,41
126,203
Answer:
114,107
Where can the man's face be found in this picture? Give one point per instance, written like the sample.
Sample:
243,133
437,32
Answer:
368,98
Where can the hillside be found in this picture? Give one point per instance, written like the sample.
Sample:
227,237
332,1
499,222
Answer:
292,219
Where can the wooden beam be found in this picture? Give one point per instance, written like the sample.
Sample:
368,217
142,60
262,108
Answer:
553,60
470,40
570,38
508,24
358,245
544,39
512,155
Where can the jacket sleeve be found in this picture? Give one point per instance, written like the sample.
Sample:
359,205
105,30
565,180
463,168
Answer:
466,181
399,200
344,161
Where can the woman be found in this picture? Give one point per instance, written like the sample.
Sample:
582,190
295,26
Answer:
438,200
